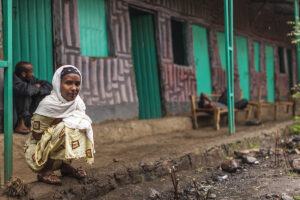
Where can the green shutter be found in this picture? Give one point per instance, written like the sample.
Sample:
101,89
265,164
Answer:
92,28
145,64
222,52
290,66
242,59
270,73
32,33
256,56
201,54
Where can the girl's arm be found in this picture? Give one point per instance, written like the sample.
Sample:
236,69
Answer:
38,136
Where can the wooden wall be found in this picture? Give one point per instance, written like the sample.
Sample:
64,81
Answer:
109,83
105,81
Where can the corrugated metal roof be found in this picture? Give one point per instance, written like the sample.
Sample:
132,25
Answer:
283,7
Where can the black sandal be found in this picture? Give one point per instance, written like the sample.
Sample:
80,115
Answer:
75,173
49,179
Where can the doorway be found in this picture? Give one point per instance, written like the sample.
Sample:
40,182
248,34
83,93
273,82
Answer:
145,64
201,54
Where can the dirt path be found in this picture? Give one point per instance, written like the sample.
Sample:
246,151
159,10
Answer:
251,182
141,149
135,151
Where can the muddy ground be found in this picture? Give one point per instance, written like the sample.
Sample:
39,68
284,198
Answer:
131,141
264,180
120,159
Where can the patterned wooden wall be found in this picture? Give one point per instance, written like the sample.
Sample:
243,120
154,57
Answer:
111,81
179,82
259,80
105,81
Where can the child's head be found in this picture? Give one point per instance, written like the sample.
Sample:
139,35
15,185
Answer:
70,83
24,70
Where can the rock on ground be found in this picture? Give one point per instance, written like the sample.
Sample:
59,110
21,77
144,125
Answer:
229,166
296,165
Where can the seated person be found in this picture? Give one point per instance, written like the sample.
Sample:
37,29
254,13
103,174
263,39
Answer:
239,104
205,102
60,130
28,92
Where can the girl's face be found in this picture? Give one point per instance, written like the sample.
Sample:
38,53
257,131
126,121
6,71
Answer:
70,86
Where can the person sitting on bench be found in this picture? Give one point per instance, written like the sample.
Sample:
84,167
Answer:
205,102
28,92
238,104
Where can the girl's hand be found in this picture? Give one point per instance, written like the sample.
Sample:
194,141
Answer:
56,121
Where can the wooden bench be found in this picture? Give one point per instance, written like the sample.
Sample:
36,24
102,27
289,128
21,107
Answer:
259,104
289,103
216,112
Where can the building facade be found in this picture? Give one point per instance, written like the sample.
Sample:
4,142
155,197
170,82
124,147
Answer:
144,58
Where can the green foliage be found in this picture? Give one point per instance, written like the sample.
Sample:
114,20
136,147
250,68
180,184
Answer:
253,145
200,170
295,128
291,174
295,33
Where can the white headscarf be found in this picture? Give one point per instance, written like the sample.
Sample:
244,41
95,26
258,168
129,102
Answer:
72,112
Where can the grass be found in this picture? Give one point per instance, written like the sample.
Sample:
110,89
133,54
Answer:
291,174
200,170
253,144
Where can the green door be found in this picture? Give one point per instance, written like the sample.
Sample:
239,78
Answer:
201,55
242,59
145,64
290,67
32,35
222,50
270,73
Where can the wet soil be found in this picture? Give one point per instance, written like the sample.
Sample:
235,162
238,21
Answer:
262,181
141,149
132,153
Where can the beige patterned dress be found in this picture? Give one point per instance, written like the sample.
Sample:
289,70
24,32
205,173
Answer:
58,142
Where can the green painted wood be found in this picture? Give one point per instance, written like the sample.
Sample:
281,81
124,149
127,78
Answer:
221,45
201,54
145,65
296,7
3,63
92,28
32,33
8,90
242,59
257,56
228,22
270,73
290,67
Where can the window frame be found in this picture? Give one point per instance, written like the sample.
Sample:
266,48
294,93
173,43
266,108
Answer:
111,52
185,40
282,63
